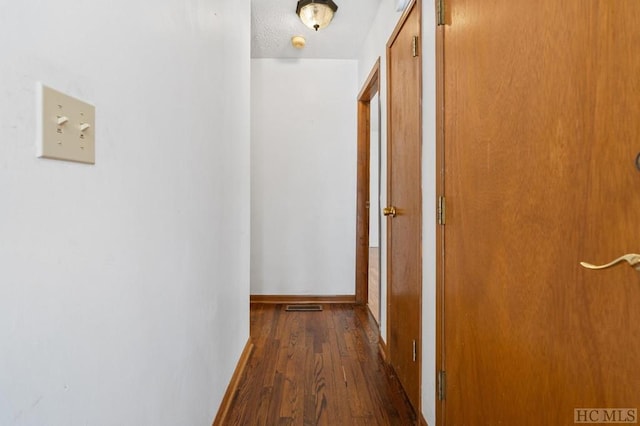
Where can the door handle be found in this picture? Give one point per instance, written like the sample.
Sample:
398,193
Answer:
631,258
389,211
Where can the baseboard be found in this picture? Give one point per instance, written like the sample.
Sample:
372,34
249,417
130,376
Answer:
223,411
423,422
382,347
283,299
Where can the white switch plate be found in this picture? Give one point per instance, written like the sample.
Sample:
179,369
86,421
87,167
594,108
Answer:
66,127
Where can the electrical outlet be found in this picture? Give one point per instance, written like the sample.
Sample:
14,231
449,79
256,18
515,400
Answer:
66,127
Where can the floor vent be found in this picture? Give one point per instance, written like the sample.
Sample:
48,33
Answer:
303,308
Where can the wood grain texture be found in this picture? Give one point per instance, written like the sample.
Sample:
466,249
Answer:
404,232
317,368
369,90
440,229
384,352
223,411
541,135
282,299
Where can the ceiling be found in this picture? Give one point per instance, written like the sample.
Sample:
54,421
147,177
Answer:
274,22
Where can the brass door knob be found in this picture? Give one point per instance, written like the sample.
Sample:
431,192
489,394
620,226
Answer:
389,211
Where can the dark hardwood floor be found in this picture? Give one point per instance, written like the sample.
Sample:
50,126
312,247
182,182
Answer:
317,368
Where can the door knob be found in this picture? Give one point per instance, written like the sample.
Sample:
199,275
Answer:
631,258
389,211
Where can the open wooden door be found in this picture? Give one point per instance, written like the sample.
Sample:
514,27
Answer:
541,172
404,214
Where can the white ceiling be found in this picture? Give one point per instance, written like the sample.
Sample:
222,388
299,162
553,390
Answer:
274,22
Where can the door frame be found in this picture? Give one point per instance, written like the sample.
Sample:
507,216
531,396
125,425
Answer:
370,88
440,228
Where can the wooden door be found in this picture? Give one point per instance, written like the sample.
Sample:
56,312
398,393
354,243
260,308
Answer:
541,135
404,234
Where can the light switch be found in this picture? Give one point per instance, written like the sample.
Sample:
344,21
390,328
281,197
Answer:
66,127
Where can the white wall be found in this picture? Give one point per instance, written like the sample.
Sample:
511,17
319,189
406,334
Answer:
124,286
303,176
374,173
375,46
429,174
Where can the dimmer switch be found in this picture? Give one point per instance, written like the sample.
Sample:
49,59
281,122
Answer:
66,127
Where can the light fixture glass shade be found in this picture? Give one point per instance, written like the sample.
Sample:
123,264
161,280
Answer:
316,14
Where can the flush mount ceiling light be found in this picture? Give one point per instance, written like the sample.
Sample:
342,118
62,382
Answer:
316,14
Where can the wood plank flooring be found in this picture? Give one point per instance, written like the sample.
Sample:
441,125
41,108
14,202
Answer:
317,368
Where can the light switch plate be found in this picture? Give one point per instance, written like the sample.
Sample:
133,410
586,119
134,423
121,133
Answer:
66,127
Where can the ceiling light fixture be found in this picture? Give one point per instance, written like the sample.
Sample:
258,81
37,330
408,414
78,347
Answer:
316,14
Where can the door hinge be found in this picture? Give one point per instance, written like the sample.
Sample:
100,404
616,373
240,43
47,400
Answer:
440,12
414,46
415,351
442,210
442,385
